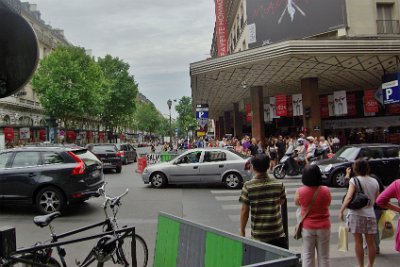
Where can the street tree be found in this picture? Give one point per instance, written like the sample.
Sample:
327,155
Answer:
186,118
119,93
67,84
147,118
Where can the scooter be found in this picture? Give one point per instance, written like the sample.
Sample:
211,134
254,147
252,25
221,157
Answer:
288,166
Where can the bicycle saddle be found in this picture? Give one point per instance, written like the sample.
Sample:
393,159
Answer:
44,220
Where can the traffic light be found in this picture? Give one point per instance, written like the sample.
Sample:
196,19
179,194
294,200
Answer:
307,112
18,50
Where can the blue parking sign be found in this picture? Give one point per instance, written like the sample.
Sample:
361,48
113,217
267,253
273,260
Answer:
391,92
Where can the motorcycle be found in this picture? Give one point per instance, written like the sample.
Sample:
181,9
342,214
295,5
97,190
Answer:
288,165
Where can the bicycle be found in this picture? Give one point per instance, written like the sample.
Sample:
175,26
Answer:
114,244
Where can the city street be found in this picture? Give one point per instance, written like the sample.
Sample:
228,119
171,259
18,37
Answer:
211,205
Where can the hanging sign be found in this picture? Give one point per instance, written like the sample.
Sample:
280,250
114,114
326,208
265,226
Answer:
340,101
280,102
297,104
249,114
324,107
370,103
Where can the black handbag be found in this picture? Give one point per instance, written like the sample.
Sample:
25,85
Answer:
359,199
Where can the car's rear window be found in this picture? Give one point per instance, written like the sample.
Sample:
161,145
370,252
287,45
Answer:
87,157
100,149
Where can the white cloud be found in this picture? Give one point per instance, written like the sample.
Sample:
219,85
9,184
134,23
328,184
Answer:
158,38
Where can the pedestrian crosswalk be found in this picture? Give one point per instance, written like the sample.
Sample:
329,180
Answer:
229,202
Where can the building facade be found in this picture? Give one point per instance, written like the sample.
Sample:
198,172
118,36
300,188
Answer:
289,64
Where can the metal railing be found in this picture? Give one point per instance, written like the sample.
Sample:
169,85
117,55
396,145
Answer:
388,26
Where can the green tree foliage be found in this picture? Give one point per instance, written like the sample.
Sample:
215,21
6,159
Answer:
119,92
147,118
67,84
186,117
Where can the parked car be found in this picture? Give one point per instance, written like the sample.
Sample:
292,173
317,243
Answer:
383,159
128,153
108,154
49,177
201,165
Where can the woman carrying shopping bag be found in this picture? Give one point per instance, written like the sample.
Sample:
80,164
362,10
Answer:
361,220
314,201
392,191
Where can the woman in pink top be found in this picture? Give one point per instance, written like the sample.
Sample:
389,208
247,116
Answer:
317,225
392,191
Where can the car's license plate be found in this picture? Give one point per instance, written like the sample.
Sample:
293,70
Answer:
107,163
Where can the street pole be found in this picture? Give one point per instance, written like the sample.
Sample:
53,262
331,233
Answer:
169,103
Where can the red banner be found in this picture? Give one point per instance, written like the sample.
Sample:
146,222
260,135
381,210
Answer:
42,134
370,103
249,115
89,134
101,135
220,28
323,107
8,133
280,102
289,106
351,105
71,135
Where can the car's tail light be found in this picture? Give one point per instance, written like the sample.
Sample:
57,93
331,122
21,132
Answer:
120,153
80,167
247,166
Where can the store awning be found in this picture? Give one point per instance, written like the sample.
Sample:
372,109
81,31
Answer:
279,68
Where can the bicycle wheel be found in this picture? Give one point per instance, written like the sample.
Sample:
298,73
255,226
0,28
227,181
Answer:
51,262
125,256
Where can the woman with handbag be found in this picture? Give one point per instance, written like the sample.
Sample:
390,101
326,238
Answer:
361,219
314,201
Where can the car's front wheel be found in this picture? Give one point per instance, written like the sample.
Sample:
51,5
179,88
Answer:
50,199
158,180
232,180
339,180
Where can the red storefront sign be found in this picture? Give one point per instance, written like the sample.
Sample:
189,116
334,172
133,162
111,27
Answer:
101,135
323,107
370,104
220,28
351,105
89,135
71,135
249,115
280,102
8,133
289,106
42,134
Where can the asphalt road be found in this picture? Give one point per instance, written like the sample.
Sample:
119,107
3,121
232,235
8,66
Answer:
211,205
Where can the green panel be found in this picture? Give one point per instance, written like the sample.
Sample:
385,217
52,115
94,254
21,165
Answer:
166,250
222,251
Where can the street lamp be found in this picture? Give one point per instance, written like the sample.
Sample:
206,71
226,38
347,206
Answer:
169,103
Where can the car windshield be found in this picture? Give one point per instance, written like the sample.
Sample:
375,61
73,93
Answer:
87,157
349,153
239,154
100,149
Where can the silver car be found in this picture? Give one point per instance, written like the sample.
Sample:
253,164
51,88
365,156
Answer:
201,165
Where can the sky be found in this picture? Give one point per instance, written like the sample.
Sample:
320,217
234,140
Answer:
158,38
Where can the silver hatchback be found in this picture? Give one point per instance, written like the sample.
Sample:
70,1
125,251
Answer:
201,165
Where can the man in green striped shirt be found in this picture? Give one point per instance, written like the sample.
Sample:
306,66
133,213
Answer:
263,197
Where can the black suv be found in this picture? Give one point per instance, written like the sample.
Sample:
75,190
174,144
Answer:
383,160
49,177
109,154
128,153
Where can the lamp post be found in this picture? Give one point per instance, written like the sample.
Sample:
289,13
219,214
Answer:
169,103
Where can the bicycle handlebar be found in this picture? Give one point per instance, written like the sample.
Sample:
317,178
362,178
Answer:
112,201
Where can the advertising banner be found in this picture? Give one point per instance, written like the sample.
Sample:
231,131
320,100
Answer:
249,114
297,103
220,28
339,98
272,107
271,21
42,134
289,106
267,113
71,135
24,133
280,102
331,105
8,133
351,105
370,103
323,107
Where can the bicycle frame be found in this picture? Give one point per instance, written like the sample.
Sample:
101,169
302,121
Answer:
55,243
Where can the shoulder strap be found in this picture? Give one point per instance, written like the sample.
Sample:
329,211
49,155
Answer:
311,203
358,184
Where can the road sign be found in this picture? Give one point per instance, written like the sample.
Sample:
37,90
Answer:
391,92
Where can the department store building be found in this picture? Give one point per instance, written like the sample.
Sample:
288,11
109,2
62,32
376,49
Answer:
313,66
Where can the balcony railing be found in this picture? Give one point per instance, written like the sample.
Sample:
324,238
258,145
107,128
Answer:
388,26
